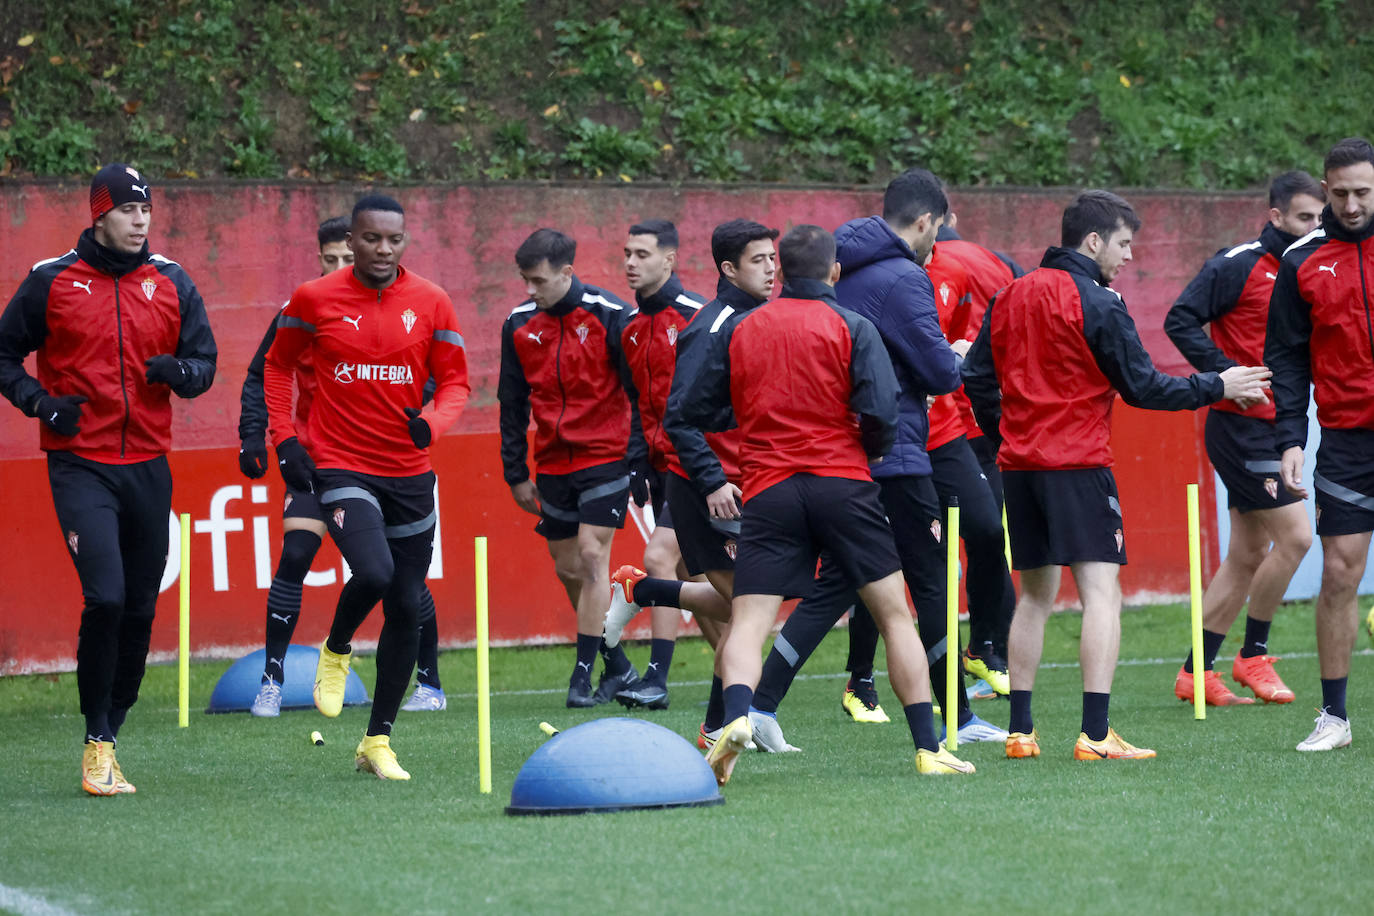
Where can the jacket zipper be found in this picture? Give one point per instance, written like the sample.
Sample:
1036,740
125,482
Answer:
1364,294
562,392
123,385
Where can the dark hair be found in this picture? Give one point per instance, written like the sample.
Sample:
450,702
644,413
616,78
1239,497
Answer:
373,202
1350,151
1285,187
545,245
662,230
806,253
1095,211
911,195
729,239
334,229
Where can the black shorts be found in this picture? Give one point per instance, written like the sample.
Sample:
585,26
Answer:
707,544
1344,481
301,504
1242,450
1056,518
405,504
658,498
786,527
597,495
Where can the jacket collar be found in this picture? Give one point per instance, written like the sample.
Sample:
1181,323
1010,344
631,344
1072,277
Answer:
809,289
1274,240
357,284
667,294
1074,262
735,297
571,299
107,260
1334,229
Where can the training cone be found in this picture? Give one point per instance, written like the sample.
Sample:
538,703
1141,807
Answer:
239,685
613,765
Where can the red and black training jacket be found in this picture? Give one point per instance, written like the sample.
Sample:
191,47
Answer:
1231,293
649,344
563,366
809,383
706,460
1055,348
96,316
1321,332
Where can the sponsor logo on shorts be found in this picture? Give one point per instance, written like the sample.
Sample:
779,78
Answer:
1120,541
71,542
731,549
1271,486
339,517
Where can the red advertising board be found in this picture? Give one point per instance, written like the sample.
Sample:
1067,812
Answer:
246,245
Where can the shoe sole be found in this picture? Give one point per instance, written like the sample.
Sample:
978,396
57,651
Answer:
722,762
1091,755
1276,698
363,765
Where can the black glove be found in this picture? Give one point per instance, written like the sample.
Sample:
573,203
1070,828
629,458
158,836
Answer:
297,468
253,458
640,472
61,414
165,369
420,433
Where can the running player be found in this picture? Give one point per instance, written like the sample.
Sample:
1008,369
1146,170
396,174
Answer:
303,527
815,397
662,312
1055,348
1319,334
1270,533
561,361
118,331
375,333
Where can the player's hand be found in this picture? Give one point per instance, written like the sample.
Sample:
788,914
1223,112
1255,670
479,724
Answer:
420,433
526,496
253,458
960,347
297,467
1245,382
61,414
164,369
724,502
1290,471
1247,403
640,471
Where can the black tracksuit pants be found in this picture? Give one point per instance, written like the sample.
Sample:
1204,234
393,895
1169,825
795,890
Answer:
114,518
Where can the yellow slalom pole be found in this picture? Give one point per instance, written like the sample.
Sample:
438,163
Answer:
1195,592
483,672
184,629
1006,536
952,660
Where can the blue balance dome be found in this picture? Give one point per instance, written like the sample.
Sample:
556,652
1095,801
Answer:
239,685
613,765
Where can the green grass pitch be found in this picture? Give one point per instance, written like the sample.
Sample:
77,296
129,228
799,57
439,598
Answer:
238,815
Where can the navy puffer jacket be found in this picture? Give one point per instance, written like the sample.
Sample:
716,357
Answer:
881,280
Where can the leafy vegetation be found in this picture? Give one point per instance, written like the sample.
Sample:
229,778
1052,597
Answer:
1193,94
